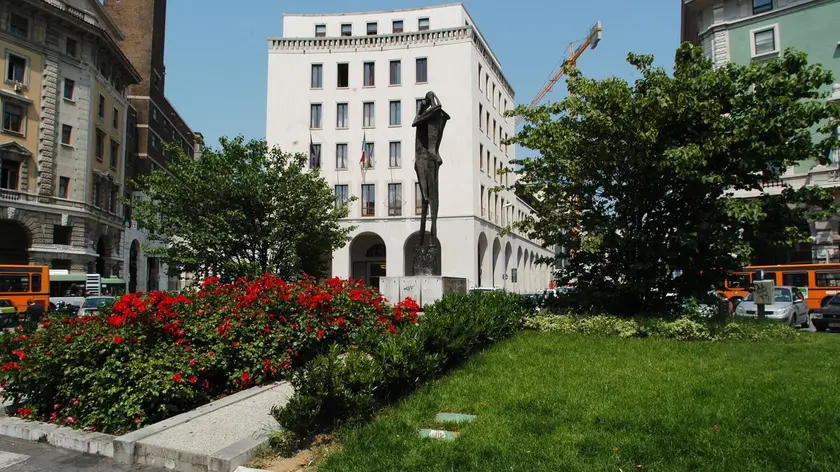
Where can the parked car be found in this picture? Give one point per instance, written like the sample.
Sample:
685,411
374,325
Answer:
482,290
789,307
8,313
827,317
92,304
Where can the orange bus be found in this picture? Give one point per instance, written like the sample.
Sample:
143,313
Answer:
21,283
818,282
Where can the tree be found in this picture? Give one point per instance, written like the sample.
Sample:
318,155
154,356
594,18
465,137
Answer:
243,210
636,181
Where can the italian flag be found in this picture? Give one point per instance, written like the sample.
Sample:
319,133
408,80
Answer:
364,150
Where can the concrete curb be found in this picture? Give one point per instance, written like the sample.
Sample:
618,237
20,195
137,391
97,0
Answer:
247,469
124,446
59,436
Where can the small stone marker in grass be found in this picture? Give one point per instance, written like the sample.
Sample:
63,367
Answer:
454,418
438,434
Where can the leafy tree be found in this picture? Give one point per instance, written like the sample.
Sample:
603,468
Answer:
243,210
644,173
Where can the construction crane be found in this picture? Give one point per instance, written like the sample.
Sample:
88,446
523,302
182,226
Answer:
592,39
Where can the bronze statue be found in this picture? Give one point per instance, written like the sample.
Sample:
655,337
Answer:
430,122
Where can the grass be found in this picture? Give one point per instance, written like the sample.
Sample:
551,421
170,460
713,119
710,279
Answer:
555,402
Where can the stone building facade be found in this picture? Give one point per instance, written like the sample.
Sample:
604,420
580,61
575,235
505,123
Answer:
62,142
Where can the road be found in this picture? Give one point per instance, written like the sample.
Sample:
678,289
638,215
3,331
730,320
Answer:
17,455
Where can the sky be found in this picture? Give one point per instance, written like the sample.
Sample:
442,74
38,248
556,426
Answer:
217,54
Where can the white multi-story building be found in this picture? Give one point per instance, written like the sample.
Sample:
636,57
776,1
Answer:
342,81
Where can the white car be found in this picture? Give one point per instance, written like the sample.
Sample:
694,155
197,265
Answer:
91,305
789,307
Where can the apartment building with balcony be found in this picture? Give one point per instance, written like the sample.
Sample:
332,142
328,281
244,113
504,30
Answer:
344,88
62,142
154,122
747,31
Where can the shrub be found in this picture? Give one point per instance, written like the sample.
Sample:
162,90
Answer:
685,329
339,388
153,355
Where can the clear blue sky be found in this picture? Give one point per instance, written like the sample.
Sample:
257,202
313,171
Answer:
217,53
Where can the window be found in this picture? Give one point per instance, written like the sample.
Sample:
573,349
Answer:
419,105
368,119
514,275
828,279
13,117
156,79
479,76
418,199
317,73
154,141
315,116
761,6
16,68
69,89
795,279
486,84
397,26
368,200
314,156
369,160
116,118
320,31
481,156
395,73
764,42
341,156
66,134
422,70
395,154
342,115
343,76
499,102
9,172
395,113
342,195
423,24
495,166
101,108
370,71
487,122
489,169
493,95
19,25
61,234
481,199
394,199
494,131
115,157
71,47
505,107
371,29
154,114
346,29
100,145
480,117
63,187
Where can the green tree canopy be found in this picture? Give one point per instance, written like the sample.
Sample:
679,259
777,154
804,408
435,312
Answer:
243,210
636,180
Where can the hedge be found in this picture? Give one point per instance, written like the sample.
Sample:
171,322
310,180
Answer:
152,356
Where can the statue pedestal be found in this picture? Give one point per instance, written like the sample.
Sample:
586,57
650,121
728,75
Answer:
424,289
426,260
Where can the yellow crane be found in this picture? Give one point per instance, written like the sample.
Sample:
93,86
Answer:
592,39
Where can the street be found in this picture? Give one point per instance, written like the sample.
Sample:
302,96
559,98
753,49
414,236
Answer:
17,455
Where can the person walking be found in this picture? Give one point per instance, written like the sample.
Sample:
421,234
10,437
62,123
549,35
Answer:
34,312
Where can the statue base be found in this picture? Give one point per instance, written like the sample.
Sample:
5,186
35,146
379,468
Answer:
424,289
426,260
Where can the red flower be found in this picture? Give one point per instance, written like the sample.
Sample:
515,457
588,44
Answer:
245,376
71,420
118,339
192,361
24,412
177,377
193,379
235,344
267,329
320,334
20,354
10,366
67,338
393,329
211,354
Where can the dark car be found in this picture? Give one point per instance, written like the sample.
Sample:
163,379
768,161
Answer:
827,317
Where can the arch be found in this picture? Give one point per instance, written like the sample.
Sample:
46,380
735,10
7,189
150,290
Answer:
497,250
508,255
15,242
133,256
368,258
518,283
482,259
411,242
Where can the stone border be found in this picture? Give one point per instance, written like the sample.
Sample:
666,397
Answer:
248,469
59,436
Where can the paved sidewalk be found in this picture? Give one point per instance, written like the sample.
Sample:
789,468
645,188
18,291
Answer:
17,455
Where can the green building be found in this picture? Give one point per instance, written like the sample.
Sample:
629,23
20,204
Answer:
745,31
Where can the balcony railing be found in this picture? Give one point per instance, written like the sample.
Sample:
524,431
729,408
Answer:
35,199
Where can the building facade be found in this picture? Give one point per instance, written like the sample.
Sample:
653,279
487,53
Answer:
746,31
63,136
154,121
345,88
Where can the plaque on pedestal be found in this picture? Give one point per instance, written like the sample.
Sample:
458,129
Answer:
424,289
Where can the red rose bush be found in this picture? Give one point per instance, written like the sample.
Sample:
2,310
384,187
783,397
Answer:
151,356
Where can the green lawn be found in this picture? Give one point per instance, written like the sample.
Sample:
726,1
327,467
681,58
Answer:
553,402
